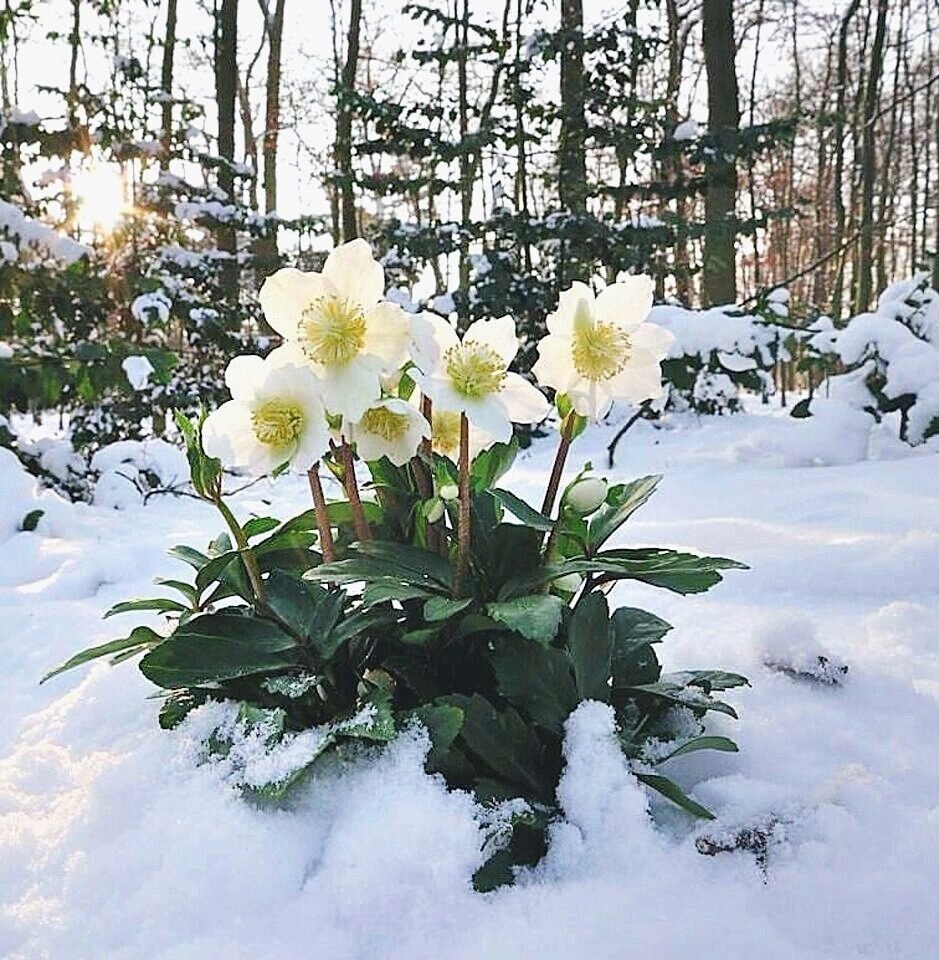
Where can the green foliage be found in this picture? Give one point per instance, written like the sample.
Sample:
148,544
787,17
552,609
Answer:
375,640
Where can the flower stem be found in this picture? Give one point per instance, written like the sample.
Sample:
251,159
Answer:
359,522
463,518
247,554
564,444
327,547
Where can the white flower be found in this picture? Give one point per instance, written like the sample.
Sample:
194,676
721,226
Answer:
598,349
445,436
391,428
471,376
275,417
337,322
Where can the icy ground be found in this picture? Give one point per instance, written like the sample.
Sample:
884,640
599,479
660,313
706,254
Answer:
114,844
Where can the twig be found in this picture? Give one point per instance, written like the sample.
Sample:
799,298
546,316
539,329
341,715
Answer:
327,547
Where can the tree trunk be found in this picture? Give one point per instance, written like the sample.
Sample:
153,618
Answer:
343,152
864,289
572,161
226,72
841,90
720,281
166,86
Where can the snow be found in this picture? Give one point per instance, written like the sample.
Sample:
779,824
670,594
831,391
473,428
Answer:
138,371
31,233
687,130
118,840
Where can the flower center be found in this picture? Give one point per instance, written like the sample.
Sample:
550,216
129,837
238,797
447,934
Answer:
277,423
446,432
600,350
332,331
474,369
384,423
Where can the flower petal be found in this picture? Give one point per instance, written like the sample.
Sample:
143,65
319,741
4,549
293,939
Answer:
286,294
244,375
498,334
524,402
626,303
562,320
431,338
351,390
652,338
226,433
490,414
388,334
555,364
355,273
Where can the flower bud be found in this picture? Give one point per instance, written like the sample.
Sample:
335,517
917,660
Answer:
449,491
584,496
433,510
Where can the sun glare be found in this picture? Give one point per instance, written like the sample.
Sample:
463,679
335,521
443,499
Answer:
101,196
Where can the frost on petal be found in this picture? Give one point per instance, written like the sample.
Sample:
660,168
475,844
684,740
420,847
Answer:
388,334
562,320
625,303
355,273
524,402
286,294
244,374
498,334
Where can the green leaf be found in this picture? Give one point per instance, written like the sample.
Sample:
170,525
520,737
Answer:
194,558
710,680
443,722
622,501
634,660
442,608
492,463
155,604
219,646
702,743
31,520
319,631
676,691
537,680
670,790
518,508
186,589
140,638
426,564
536,617
178,705
504,742
291,602
633,624
257,526
590,641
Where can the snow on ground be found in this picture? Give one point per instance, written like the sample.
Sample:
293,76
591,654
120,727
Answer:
115,843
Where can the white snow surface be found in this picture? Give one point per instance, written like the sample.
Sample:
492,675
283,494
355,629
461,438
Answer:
115,841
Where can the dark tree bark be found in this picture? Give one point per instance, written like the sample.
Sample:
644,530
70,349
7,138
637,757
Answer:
343,152
720,281
275,23
864,289
226,72
166,85
572,161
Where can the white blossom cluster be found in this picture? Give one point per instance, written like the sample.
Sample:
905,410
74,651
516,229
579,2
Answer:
339,373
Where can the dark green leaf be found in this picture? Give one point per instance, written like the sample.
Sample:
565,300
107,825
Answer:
492,464
518,508
536,617
590,641
155,604
140,638
442,608
679,693
702,743
622,501
710,680
291,603
538,680
671,790
31,520
219,646
257,526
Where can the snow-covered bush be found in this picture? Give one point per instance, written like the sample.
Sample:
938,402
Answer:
891,355
720,351
337,628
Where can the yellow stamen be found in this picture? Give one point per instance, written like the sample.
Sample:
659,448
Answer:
332,331
600,350
446,433
384,423
474,369
277,423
